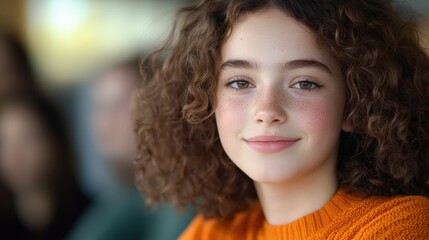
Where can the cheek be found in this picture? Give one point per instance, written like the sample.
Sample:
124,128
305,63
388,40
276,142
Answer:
322,118
231,114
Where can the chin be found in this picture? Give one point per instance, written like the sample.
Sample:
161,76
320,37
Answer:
274,177
271,172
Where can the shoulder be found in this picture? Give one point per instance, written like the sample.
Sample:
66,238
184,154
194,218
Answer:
407,203
244,223
405,208
404,217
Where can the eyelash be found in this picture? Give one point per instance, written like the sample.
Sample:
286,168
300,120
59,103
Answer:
236,81
315,85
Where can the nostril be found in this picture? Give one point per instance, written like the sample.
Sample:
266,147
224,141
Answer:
270,117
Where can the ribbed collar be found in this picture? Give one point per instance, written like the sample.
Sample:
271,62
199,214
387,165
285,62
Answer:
308,225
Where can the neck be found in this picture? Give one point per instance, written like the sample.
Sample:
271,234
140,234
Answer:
288,201
35,209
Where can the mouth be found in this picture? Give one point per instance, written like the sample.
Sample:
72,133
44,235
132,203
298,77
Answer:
270,144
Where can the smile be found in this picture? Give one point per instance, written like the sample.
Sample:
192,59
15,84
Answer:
270,144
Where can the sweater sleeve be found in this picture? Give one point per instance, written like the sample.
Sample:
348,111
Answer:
402,218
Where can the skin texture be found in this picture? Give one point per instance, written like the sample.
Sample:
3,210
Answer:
280,94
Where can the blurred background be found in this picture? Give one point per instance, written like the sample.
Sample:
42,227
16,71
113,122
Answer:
70,41
69,38
82,57
67,72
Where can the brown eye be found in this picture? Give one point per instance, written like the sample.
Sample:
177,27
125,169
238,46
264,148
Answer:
240,84
305,85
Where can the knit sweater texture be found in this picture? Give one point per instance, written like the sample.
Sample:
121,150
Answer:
343,217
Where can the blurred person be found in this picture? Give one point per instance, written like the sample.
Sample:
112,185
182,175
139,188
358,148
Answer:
110,119
16,73
40,196
120,213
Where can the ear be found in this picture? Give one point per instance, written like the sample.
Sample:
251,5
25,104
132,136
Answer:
346,127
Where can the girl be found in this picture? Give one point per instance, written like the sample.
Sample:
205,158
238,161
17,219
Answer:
289,119
40,196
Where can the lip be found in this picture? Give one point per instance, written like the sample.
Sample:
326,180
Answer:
270,144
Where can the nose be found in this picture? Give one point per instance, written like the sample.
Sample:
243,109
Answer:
270,108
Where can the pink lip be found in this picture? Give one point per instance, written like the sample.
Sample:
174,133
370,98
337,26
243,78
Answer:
270,144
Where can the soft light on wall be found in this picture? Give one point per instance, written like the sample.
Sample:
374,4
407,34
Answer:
69,38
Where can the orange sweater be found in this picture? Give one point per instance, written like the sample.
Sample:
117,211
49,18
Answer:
343,217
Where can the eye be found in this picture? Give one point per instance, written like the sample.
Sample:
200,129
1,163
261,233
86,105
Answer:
305,85
240,84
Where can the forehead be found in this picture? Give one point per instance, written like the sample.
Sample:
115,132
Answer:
271,36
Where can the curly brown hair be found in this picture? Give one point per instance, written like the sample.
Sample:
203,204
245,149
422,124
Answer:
386,72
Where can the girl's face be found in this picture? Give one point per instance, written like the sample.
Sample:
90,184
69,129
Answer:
280,99
26,150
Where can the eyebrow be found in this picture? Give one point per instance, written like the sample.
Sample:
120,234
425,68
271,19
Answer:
236,63
294,64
